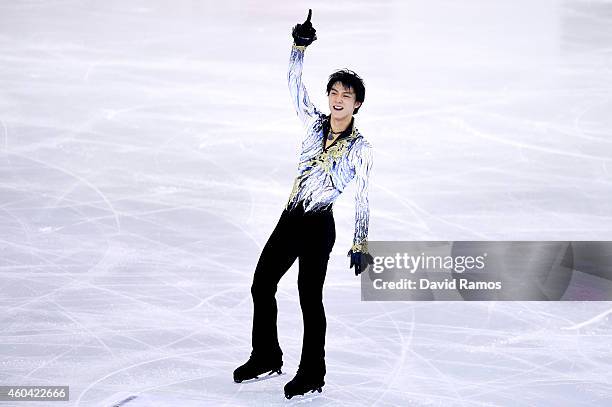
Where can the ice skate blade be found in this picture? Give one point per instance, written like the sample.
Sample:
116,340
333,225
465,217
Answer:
317,389
277,371
257,378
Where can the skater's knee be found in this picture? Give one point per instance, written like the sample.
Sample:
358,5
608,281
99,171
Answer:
262,289
310,291
312,303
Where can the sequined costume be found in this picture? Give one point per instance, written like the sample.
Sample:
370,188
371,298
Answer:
306,232
323,173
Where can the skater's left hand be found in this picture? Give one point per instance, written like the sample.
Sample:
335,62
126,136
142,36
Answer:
360,261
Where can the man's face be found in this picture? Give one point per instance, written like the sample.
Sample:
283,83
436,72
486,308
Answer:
342,101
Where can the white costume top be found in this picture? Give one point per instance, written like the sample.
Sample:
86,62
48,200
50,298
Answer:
323,173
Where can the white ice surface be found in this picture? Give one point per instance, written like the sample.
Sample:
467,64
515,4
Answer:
147,149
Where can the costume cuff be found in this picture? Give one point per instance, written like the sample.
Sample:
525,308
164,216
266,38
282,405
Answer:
360,247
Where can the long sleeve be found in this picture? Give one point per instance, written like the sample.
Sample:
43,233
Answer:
304,108
363,165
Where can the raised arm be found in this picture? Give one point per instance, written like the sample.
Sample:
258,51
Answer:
304,108
303,35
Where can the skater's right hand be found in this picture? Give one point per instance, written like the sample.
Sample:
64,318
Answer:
304,34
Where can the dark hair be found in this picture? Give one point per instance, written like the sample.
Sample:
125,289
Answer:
348,79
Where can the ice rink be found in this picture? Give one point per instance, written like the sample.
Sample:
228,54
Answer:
147,149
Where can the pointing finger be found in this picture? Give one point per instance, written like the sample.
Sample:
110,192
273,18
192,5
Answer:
309,15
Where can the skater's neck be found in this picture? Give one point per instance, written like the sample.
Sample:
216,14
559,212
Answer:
339,125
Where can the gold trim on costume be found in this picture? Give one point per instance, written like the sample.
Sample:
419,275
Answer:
360,247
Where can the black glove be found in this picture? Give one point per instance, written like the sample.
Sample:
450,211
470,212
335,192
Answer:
304,34
360,261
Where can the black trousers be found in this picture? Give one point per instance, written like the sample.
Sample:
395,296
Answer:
309,237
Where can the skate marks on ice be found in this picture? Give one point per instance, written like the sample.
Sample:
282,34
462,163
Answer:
124,401
131,192
600,318
429,354
148,400
271,397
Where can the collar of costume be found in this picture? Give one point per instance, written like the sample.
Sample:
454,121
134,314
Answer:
327,126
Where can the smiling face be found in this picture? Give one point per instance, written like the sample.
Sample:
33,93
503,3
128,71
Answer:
342,101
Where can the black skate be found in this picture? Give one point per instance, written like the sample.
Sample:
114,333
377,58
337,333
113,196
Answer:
302,383
255,367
